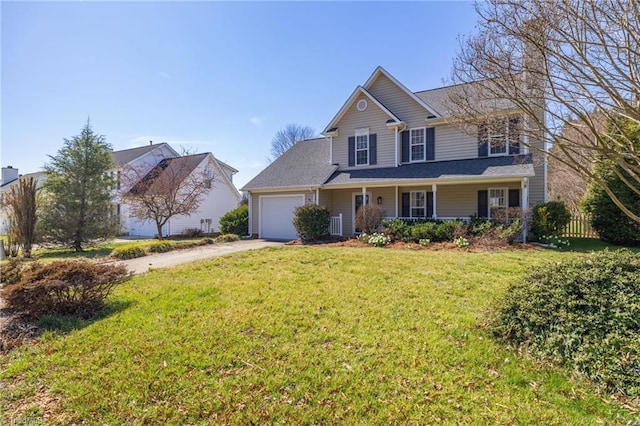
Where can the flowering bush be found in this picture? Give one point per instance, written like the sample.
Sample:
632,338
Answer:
424,242
376,239
461,242
554,241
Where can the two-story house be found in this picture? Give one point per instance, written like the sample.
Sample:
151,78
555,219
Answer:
132,165
398,149
142,163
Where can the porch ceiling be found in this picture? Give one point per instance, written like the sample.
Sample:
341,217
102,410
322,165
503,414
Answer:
498,168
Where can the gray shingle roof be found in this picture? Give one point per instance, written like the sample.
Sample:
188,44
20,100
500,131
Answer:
126,155
170,171
438,98
491,167
306,164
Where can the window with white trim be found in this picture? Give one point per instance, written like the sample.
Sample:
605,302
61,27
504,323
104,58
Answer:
362,149
417,139
497,199
502,135
417,204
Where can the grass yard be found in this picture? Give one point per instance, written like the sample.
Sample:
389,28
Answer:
102,249
300,335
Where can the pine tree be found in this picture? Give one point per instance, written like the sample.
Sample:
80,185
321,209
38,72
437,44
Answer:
78,187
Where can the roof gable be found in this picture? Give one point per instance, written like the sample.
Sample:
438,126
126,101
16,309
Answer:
379,71
125,156
356,93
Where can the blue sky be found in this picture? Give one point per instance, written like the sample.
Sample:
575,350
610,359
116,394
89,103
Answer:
210,76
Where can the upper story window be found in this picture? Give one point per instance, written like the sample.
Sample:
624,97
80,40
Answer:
362,149
418,144
499,136
417,139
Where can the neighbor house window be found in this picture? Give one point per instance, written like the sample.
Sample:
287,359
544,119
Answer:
417,138
418,204
362,149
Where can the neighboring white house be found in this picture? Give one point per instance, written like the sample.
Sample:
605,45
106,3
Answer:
222,197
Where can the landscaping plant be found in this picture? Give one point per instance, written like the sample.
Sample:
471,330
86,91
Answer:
312,222
584,313
62,287
235,221
369,217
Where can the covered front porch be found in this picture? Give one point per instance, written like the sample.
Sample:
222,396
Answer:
420,201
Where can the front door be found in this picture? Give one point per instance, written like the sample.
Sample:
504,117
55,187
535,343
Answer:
358,201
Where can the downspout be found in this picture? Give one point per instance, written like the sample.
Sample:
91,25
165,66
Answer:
250,228
396,150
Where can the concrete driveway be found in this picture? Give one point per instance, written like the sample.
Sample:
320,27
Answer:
178,257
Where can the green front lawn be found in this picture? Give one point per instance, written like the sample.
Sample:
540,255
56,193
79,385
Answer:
300,335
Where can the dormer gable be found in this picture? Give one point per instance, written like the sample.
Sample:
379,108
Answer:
359,95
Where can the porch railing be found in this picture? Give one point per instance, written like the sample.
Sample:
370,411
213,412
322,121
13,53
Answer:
336,225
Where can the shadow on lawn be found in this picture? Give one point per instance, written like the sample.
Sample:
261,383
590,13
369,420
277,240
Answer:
64,324
17,328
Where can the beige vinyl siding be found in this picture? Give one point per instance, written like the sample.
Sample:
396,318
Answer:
399,102
326,200
537,183
454,144
342,202
375,120
462,200
456,200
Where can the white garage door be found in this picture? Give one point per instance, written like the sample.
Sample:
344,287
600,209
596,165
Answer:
276,216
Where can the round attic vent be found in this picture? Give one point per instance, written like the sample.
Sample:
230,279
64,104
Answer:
361,105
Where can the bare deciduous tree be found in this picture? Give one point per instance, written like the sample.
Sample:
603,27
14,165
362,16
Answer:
565,183
21,204
288,137
175,186
562,64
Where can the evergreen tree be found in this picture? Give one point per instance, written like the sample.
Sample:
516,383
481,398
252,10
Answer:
606,217
78,189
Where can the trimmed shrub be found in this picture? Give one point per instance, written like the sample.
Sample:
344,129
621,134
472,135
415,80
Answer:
63,287
192,232
369,217
128,251
235,221
11,271
397,229
549,219
227,238
312,222
585,313
161,246
208,240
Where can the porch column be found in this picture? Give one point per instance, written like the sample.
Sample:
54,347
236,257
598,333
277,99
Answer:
524,186
364,195
317,196
434,189
396,201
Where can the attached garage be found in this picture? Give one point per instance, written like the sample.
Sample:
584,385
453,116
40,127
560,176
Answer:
276,216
